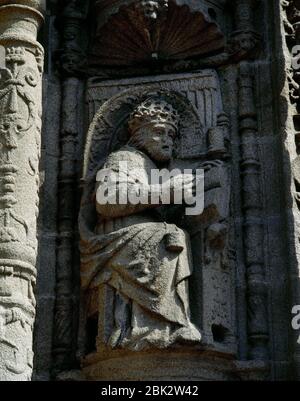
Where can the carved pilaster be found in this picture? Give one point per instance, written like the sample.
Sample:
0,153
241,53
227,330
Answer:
72,65
253,224
20,130
64,335
74,39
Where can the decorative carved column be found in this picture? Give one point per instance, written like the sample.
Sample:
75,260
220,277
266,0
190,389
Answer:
253,224
244,42
72,66
20,136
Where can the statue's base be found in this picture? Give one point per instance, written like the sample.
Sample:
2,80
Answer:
158,365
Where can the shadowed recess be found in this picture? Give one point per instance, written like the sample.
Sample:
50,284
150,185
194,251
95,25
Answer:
126,36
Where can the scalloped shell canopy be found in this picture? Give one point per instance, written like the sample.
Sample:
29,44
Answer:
128,37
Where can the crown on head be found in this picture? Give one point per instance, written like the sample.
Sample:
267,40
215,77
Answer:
153,111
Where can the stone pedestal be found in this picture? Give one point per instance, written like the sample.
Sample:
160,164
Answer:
183,364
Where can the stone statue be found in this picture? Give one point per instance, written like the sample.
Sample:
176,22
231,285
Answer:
135,257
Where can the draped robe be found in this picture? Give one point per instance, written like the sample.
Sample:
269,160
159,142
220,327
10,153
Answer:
130,252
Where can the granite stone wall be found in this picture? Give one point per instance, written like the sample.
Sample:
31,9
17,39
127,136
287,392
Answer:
227,70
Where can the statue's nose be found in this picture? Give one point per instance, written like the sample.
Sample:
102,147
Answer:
167,140
11,143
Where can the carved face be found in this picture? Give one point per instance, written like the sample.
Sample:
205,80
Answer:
11,130
151,8
158,140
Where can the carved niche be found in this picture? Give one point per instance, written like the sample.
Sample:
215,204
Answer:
142,31
120,269
138,37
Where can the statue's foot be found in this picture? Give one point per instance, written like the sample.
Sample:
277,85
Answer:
187,335
114,339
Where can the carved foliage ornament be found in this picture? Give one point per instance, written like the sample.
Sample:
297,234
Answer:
20,123
20,128
19,115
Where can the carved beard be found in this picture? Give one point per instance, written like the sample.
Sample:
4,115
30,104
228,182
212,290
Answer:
145,143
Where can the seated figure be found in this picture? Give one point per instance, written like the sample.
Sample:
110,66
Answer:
143,260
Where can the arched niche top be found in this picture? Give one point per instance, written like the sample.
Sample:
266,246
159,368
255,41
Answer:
109,131
133,32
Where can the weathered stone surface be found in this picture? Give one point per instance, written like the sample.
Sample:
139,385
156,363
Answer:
165,267
20,129
290,34
182,365
202,142
144,31
224,69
